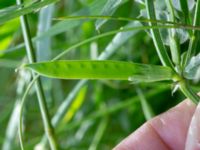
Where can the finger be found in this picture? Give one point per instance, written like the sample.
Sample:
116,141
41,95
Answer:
166,131
193,136
173,125
145,138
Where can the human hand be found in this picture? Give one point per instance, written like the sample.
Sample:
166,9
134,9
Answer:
166,131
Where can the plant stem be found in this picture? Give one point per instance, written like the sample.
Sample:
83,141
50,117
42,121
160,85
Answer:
188,92
195,35
174,41
39,90
191,51
160,48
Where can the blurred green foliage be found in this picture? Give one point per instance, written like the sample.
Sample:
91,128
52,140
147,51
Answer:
101,113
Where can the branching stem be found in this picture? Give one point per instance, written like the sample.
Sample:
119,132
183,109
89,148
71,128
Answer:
39,90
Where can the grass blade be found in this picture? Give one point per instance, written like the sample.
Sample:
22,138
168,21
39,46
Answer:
160,48
174,40
109,8
195,35
110,33
118,40
68,25
99,134
45,21
185,10
11,130
9,63
65,25
75,106
27,9
146,108
43,46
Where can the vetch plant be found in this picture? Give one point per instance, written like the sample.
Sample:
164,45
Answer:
169,39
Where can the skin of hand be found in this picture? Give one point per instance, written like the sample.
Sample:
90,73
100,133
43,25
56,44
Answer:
167,131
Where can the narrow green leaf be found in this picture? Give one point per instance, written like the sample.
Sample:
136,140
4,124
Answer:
9,9
109,8
7,63
99,133
44,23
176,4
65,25
119,39
142,2
43,46
174,38
113,70
11,130
195,38
181,34
13,13
185,10
146,108
160,48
